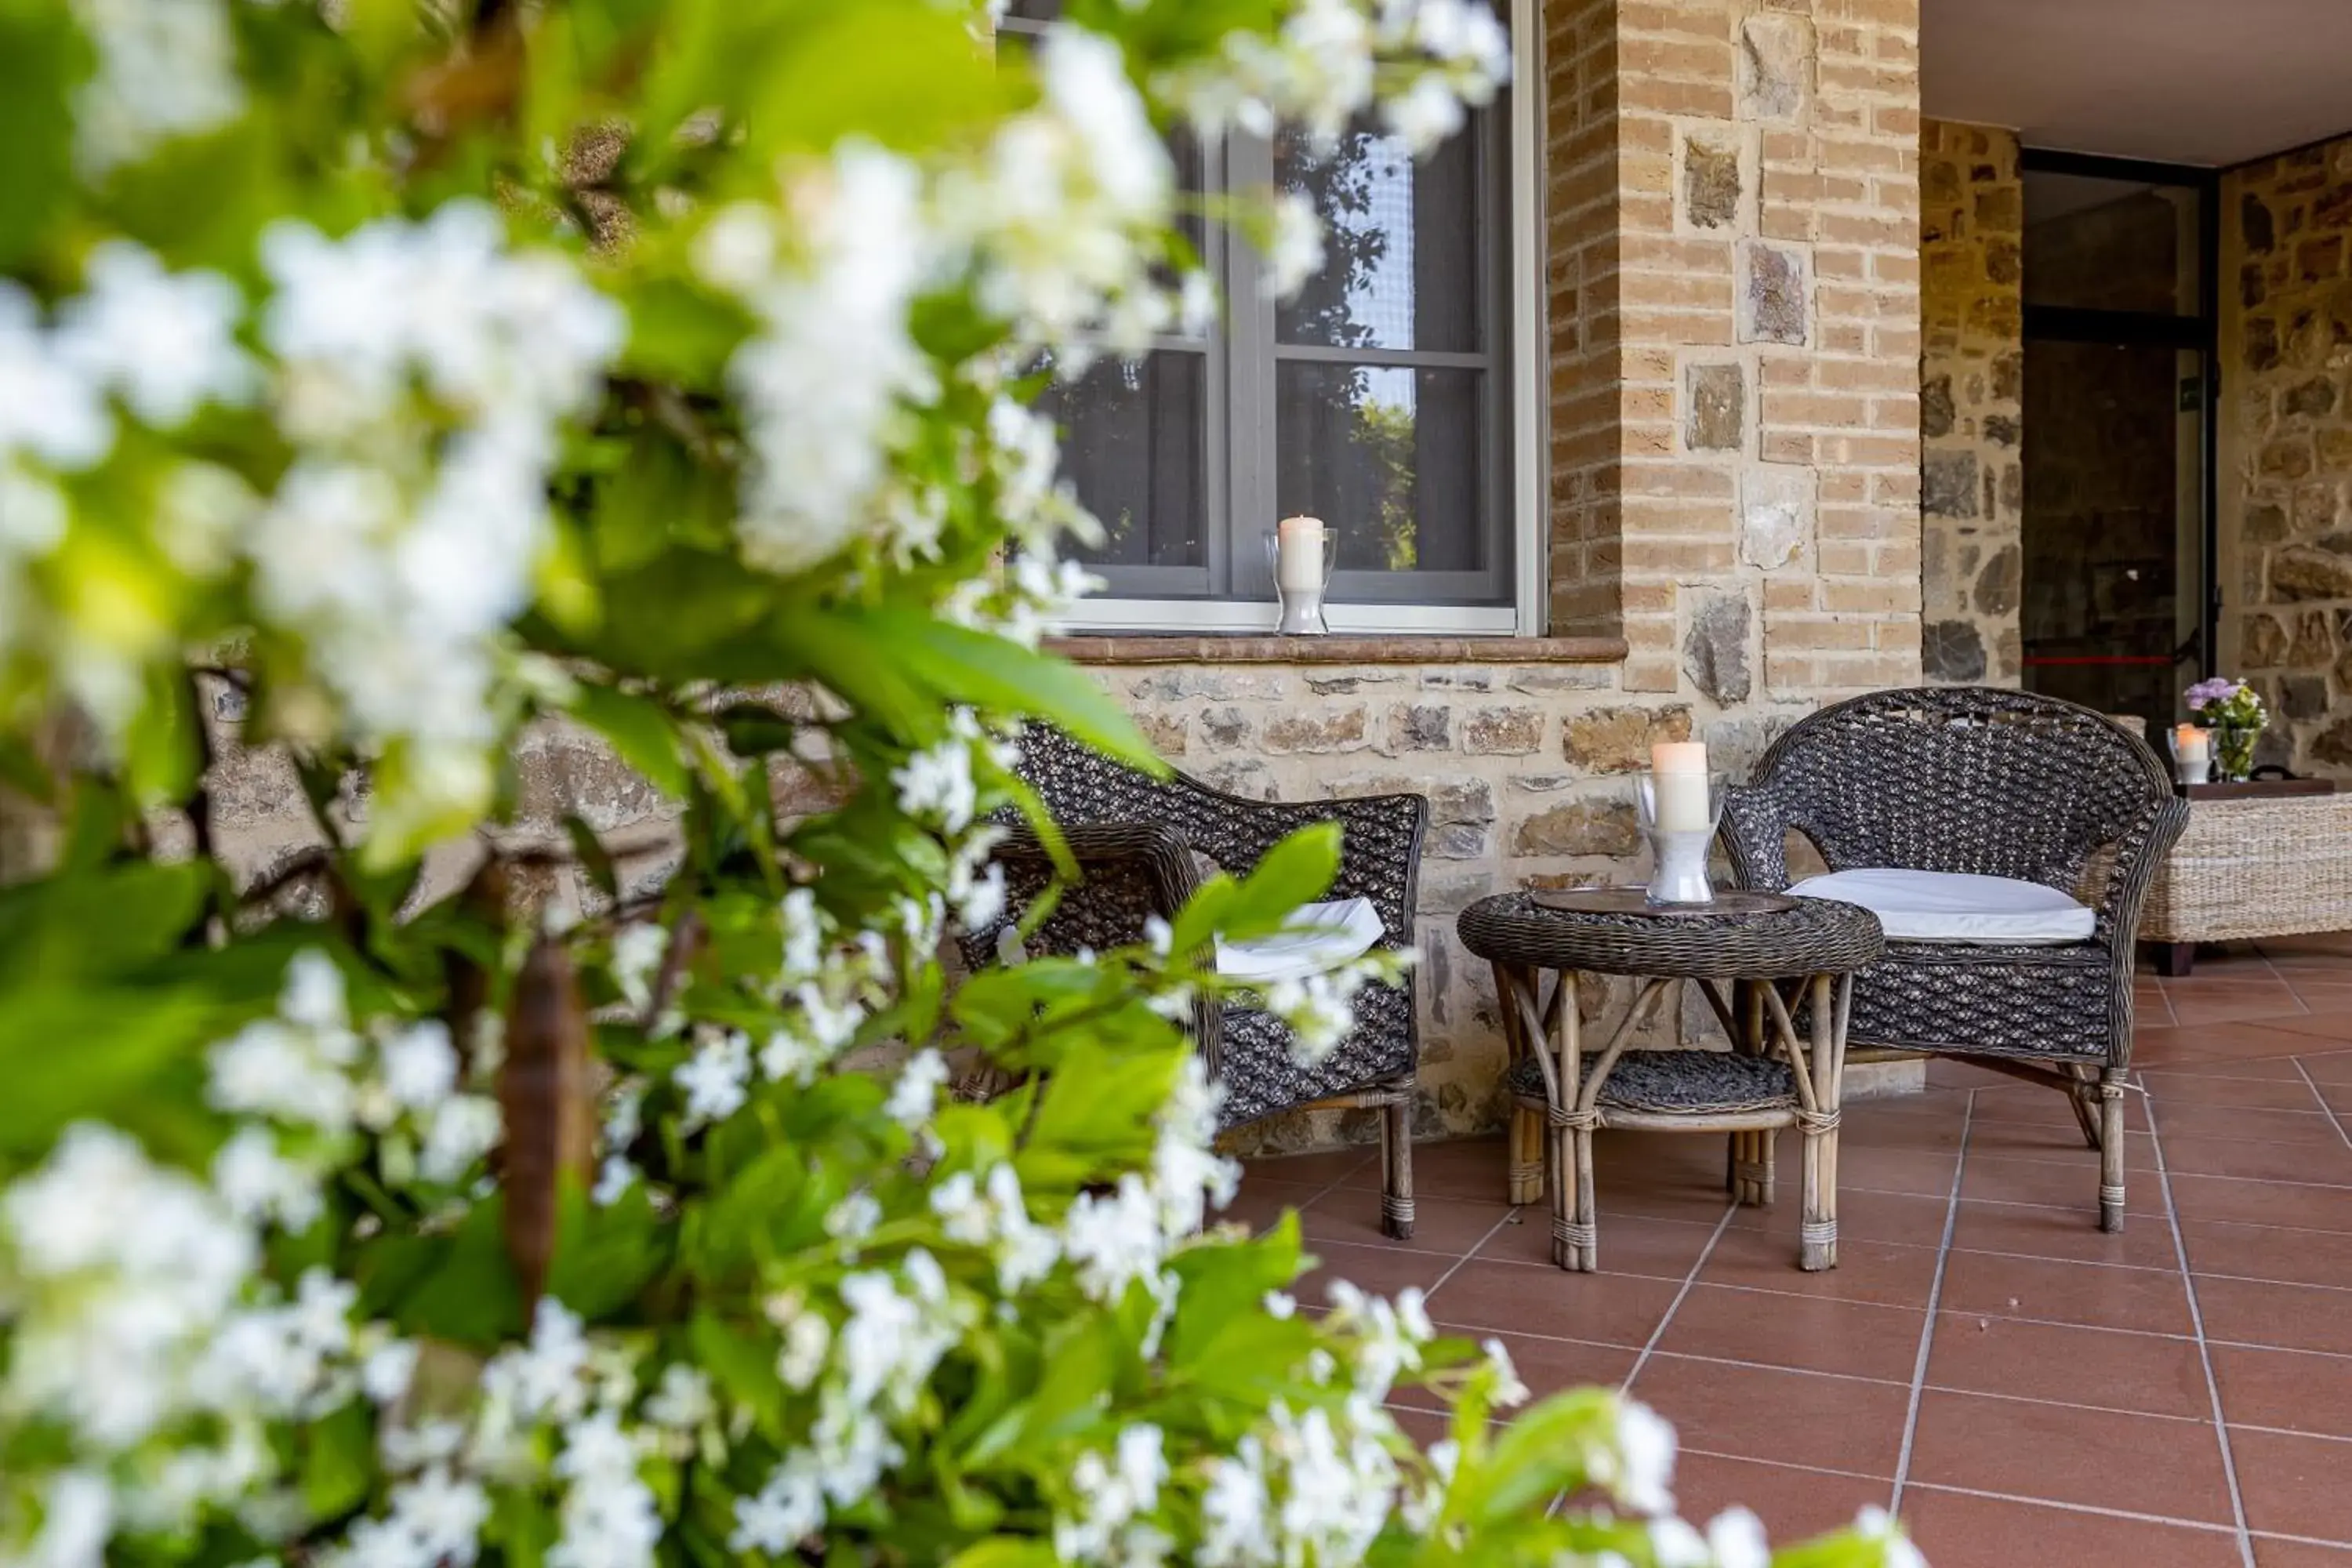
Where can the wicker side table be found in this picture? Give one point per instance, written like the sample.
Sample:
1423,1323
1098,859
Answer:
1756,945
2254,862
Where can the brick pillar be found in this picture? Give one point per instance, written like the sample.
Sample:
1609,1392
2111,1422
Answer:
1766,342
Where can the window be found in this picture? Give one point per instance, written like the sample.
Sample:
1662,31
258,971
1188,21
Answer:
1381,399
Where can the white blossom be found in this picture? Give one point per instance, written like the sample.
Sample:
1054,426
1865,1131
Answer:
1114,1240
542,1378
420,1065
935,785
638,954
614,1177
682,1401
462,1130
1874,1523
853,1219
77,1517
164,342
1637,1466
165,68
261,1186
442,1515
1509,1389
821,380
776,1518
717,1078
803,933
915,1094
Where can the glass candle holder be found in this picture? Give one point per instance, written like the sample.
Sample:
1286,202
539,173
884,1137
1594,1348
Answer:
2192,753
1301,551
1680,812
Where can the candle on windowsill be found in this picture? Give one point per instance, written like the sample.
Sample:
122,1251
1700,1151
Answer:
2192,744
1678,777
1299,554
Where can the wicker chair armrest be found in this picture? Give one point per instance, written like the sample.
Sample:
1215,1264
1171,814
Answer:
1755,834
2138,856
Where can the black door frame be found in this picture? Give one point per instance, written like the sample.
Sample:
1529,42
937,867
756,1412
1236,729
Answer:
2058,323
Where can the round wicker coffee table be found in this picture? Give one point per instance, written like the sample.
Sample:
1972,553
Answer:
1783,959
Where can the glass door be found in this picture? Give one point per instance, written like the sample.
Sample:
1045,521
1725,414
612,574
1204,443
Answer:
2116,609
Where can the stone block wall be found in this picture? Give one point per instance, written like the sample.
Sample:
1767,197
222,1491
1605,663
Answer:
1972,408
2286,460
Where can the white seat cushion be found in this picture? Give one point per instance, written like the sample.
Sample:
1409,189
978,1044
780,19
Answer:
1946,906
1321,937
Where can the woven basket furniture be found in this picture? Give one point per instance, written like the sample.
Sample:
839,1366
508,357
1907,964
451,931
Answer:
1139,842
2245,868
1786,1070
1997,783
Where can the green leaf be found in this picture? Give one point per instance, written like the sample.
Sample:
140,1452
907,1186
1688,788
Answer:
337,1460
1005,1551
743,1367
640,731
107,920
42,60
966,666
67,1054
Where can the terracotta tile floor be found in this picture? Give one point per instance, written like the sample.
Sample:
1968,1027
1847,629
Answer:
2018,1387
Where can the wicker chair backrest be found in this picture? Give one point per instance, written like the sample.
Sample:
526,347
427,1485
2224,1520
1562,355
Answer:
1965,779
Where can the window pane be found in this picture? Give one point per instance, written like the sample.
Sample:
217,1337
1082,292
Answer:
1390,458
2110,245
1400,243
1135,445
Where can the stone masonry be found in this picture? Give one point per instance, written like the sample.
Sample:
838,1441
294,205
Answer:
1972,387
2286,502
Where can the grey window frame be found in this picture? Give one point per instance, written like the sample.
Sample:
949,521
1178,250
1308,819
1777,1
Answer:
1239,459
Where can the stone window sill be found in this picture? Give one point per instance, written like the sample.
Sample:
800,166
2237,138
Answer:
1164,648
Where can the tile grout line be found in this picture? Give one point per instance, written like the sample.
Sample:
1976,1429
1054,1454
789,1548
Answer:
2204,1350
1675,1306
1455,1267
2313,1084
1935,1307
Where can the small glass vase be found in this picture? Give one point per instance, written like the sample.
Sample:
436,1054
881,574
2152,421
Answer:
1679,815
2233,752
1301,596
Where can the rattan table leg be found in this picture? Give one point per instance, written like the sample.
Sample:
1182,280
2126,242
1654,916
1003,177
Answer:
1527,1172
1817,1231
1586,1232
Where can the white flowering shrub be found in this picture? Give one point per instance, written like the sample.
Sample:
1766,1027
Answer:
423,371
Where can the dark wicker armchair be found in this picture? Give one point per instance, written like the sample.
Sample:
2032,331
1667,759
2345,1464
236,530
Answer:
1135,839
1998,783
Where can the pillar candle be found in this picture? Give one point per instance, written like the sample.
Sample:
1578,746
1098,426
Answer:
1679,775
1299,554
2192,744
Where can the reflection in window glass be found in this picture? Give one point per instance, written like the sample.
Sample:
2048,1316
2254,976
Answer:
1134,446
1400,239
2099,244
1389,457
